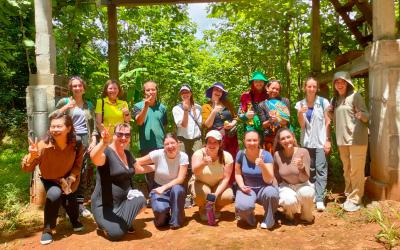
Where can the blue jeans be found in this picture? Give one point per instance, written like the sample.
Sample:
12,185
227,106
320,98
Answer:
168,207
318,172
267,196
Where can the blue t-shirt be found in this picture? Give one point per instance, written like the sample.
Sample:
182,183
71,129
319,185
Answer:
252,175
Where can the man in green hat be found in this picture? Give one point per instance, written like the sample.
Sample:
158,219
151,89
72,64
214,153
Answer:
249,100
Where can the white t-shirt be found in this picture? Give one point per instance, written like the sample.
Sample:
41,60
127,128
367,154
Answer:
167,169
314,133
192,130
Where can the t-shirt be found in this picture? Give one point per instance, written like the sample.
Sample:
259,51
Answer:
212,174
220,117
252,174
350,130
285,171
112,113
192,130
79,121
314,133
167,169
151,132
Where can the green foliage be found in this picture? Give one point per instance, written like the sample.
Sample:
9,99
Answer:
389,234
15,192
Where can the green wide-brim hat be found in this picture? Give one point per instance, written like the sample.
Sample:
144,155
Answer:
258,75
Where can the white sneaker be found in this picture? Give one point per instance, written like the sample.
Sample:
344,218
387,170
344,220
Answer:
84,211
263,225
320,206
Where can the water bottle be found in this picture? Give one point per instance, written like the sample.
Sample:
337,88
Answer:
210,213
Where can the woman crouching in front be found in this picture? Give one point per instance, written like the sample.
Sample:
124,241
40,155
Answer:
60,161
292,171
254,174
168,195
115,204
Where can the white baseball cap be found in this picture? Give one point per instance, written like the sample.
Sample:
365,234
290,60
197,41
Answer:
214,134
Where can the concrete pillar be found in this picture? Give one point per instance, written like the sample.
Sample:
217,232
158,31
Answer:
45,87
384,92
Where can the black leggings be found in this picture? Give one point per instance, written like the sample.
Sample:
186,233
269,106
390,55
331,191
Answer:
54,198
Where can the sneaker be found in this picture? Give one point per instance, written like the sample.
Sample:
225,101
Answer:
47,238
320,206
351,207
263,225
84,211
188,201
77,226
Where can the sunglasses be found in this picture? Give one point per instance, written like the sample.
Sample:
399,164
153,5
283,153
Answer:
120,134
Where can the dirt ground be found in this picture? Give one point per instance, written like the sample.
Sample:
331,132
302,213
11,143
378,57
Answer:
331,229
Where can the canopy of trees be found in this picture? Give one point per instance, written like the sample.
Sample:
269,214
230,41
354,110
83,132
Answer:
159,43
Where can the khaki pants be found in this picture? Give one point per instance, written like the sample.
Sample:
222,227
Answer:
200,190
353,159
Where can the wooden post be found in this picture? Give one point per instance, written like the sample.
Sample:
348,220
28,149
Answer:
316,46
112,41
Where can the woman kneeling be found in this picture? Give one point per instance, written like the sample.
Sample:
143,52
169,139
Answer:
60,161
254,175
292,171
115,204
168,195
212,168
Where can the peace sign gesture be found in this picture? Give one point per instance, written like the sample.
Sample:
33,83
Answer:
105,134
33,147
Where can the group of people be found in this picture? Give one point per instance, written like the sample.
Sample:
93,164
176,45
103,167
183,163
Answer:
272,169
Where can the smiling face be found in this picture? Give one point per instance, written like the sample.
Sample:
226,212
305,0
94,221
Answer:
58,129
251,140
258,85
341,86
77,87
150,90
217,93
122,136
112,91
170,147
286,139
311,87
186,94
274,89
213,145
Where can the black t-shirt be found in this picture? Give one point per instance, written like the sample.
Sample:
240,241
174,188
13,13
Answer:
113,180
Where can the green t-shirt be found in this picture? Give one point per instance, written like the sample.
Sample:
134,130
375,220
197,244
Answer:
151,132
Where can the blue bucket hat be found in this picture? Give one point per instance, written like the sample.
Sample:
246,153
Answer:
219,85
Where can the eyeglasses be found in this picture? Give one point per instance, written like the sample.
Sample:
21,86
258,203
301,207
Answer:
120,134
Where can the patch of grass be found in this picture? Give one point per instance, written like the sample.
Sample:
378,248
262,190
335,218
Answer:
335,208
15,183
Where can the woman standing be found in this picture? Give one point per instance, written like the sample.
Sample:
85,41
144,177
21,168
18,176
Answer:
83,118
115,204
60,160
212,168
315,136
110,109
168,194
292,171
275,113
351,126
187,117
218,114
249,102
254,174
